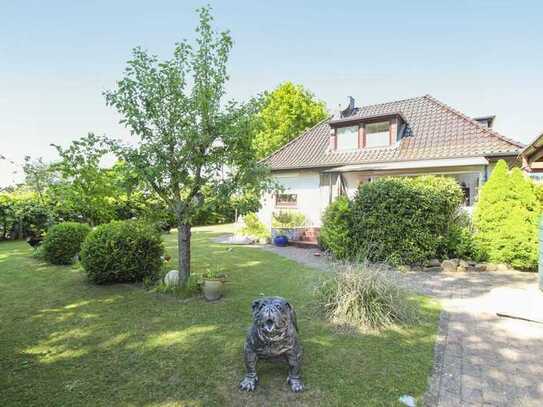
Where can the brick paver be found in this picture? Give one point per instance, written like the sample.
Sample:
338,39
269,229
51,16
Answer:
482,359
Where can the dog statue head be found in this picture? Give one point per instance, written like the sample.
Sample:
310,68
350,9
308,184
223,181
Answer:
273,317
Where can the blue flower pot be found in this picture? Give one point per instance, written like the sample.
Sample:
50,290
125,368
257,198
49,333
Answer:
280,241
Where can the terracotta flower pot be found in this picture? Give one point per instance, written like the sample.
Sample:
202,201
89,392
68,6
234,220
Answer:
213,289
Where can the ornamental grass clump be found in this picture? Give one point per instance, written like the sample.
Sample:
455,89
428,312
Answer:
366,298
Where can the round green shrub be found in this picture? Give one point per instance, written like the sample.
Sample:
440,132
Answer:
403,220
122,251
335,234
63,242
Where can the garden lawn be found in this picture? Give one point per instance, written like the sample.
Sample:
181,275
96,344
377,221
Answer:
66,342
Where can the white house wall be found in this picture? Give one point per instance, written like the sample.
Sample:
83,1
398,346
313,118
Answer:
313,198
310,197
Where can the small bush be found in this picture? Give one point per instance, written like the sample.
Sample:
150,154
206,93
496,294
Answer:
403,220
460,242
335,234
122,251
365,298
63,242
288,219
253,227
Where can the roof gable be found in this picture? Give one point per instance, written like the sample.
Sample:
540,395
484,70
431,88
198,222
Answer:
434,130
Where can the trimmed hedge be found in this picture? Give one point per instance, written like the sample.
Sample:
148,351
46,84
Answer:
404,220
394,220
122,251
63,242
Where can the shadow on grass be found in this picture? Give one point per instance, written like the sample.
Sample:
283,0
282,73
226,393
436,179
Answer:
66,342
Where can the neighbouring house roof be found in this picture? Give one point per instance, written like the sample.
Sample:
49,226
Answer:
533,147
433,131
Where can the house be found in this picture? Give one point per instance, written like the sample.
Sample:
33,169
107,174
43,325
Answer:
410,137
532,158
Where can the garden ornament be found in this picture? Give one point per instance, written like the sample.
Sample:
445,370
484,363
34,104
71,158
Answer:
273,336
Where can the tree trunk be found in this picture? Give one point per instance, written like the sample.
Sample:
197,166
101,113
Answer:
183,244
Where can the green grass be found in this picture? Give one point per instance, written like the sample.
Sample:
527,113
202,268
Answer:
66,342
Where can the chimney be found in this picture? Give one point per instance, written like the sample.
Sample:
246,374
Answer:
485,121
349,109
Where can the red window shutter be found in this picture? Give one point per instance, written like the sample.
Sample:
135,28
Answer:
361,140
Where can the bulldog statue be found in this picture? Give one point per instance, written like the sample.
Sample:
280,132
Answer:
273,336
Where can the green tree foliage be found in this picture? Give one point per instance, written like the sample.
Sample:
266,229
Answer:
188,136
63,242
286,112
23,214
122,251
403,220
85,187
335,235
39,175
506,218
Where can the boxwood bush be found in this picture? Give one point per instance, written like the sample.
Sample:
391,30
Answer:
403,220
122,251
63,242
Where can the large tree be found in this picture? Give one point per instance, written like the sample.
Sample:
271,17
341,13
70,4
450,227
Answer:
188,137
286,112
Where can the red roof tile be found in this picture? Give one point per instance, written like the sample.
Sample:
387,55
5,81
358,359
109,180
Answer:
434,130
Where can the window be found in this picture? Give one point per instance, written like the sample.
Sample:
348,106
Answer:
286,200
377,134
467,194
347,138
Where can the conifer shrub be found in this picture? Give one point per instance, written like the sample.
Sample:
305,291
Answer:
63,242
506,218
122,251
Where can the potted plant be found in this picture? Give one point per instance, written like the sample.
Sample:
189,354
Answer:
213,283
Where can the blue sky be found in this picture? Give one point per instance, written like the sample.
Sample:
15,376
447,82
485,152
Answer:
481,57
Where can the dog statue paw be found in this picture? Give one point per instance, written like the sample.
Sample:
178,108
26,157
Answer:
296,385
248,383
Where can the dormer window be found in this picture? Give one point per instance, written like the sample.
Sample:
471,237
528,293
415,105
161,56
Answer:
368,132
347,138
377,134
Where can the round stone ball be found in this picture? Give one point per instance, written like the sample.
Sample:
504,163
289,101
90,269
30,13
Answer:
171,278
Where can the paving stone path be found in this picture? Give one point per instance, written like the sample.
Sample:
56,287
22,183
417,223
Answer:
481,359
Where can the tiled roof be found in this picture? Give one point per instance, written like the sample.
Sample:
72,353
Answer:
434,130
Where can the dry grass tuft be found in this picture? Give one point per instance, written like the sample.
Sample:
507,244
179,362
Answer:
366,297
